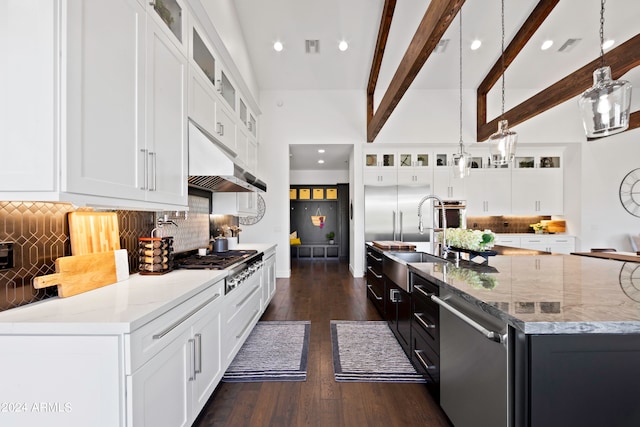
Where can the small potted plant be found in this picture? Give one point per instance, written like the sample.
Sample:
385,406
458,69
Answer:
330,236
538,227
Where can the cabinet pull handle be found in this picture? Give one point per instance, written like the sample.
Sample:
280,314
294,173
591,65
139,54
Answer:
185,317
378,276
374,293
192,359
491,335
424,324
198,352
423,360
422,291
154,164
144,152
253,291
220,86
248,324
372,256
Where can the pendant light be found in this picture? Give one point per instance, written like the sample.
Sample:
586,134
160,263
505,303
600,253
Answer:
461,160
503,142
605,106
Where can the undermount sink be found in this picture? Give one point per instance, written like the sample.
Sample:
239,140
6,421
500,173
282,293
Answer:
408,257
394,265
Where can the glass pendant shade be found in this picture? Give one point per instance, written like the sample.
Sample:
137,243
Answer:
503,144
605,106
461,163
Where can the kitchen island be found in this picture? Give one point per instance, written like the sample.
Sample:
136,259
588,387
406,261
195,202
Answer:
147,351
565,340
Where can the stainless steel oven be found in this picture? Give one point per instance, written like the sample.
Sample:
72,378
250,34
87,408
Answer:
474,364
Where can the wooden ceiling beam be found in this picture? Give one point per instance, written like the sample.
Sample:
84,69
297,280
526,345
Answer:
532,23
621,59
381,44
436,20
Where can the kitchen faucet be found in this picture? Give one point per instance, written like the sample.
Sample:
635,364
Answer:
444,248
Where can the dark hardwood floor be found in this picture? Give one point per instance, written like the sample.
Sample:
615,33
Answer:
321,291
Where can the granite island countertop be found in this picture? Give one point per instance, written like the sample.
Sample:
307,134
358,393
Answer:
550,294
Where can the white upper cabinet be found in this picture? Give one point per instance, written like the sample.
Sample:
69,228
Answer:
105,99
97,111
489,192
537,183
170,16
165,158
105,126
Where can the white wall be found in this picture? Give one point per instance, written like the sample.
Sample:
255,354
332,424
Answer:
328,177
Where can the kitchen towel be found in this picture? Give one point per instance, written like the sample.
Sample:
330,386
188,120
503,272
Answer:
367,351
274,351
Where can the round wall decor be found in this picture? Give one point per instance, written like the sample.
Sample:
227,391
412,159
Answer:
250,220
630,192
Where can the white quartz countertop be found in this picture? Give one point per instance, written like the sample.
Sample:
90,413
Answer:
114,309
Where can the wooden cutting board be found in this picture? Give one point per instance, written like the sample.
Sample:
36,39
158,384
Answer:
394,245
92,232
81,273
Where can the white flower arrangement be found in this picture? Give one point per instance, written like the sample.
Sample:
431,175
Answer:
474,240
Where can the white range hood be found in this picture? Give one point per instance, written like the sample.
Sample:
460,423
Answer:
212,166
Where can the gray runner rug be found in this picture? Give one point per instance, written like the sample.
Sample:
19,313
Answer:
274,351
367,351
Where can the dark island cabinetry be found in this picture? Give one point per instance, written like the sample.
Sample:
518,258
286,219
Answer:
376,290
577,380
425,340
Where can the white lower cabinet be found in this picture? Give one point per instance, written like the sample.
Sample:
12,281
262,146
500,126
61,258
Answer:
549,243
268,278
241,312
183,367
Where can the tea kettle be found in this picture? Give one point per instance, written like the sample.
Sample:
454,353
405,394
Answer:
219,244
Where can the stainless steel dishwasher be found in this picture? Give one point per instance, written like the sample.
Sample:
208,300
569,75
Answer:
474,371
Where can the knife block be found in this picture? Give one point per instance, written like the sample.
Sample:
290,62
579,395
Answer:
155,255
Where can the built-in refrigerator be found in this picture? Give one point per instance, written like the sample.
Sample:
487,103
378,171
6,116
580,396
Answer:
391,213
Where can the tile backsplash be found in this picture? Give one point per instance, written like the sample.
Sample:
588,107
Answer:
504,224
40,233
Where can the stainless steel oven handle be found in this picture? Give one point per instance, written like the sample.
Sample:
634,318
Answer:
491,335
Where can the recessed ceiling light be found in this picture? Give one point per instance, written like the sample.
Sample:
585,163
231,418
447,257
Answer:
320,161
277,46
343,45
475,45
321,150
546,44
608,43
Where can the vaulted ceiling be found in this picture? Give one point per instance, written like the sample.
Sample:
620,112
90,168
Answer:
357,21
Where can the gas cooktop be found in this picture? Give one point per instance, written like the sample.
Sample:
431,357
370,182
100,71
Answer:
215,261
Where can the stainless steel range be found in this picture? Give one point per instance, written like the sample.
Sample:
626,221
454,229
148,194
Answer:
242,265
